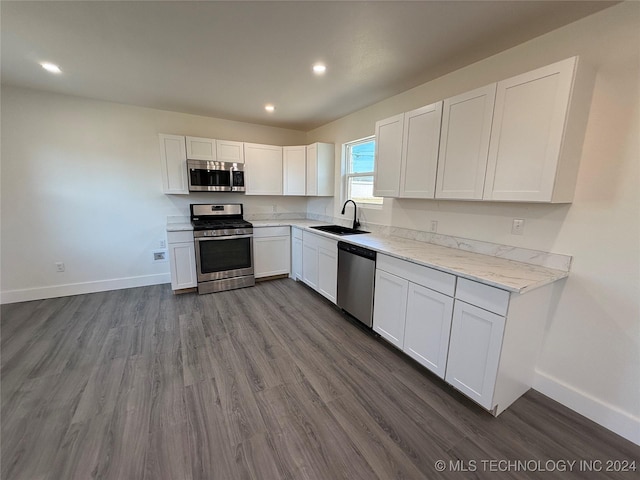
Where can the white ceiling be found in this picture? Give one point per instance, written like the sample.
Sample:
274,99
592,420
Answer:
227,59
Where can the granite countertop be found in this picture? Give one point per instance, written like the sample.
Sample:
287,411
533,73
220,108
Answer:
499,272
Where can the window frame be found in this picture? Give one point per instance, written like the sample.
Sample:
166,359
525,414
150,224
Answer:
347,175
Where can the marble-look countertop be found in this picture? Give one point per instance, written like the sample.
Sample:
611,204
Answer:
499,272
179,227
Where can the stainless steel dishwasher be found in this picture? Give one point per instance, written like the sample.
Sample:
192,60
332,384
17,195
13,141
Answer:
356,275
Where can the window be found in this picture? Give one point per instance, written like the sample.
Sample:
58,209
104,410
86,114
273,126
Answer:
360,161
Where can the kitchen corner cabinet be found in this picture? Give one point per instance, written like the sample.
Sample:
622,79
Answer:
173,161
263,169
464,144
271,251
320,264
296,253
320,169
295,170
537,134
201,148
182,259
229,151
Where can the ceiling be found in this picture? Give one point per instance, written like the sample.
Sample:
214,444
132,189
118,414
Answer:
228,59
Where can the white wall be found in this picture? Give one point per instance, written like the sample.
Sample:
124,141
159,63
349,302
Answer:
591,357
81,184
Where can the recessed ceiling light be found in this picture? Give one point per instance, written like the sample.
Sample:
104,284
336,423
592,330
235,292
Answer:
270,108
51,67
319,68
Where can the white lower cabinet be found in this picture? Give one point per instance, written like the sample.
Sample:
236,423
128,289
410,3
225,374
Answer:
482,340
320,264
474,352
328,270
271,251
414,318
182,260
296,253
427,327
390,307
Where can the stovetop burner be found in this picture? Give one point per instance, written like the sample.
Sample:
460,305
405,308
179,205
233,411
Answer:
205,216
220,224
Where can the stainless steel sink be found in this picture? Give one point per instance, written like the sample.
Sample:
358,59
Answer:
338,230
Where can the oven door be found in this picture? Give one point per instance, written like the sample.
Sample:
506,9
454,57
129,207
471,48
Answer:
224,257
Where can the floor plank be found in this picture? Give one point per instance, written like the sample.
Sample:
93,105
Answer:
270,382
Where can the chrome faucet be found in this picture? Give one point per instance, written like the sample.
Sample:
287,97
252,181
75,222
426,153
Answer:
356,223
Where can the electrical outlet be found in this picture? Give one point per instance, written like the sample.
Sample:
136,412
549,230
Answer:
59,266
517,228
434,226
162,243
159,256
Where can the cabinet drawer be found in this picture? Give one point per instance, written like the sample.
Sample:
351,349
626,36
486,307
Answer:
427,277
183,236
296,232
262,232
489,298
319,241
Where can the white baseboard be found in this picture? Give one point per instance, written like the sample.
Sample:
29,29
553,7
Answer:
609,416
28,294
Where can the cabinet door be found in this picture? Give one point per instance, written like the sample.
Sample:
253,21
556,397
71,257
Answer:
310,263
390,307
296,258
182,261
201,148
388,156
228,151
420,151
474,352
427,329
271,256
173,162
527,132
464,144
312,170
263,169
328,272
295,166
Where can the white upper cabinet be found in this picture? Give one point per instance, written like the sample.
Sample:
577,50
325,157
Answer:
201,148
295,166
173,160
464,144
229,151
535,146
420,151
263,169
388,156
320,169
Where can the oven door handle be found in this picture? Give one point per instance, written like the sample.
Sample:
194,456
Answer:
223,237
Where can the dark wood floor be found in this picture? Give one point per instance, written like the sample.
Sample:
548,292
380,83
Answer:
270,382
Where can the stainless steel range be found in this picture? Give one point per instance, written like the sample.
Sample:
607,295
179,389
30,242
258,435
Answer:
224,247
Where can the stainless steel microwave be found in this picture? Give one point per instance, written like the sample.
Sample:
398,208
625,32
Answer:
206,176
